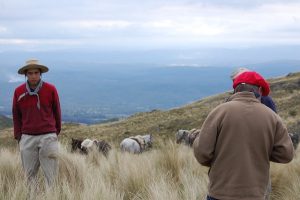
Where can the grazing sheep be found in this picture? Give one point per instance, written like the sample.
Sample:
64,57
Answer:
84,146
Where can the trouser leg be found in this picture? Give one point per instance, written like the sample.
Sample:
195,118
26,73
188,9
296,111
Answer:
48,157
30,156
30,161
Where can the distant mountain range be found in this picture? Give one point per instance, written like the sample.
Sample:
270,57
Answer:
201,56
96,93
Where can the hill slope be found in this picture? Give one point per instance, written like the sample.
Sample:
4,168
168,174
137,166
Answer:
285,92
5,122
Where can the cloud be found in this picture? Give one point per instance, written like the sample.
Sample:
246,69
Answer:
14,78
97,24
94,23
186,65
3,29
14,41
194,27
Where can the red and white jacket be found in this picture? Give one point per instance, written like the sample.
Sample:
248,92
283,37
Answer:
29,119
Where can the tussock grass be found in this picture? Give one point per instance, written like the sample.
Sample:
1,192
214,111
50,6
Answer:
169,162
12,184
72,170
286,179
167,172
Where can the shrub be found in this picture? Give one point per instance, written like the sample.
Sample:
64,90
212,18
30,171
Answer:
293,113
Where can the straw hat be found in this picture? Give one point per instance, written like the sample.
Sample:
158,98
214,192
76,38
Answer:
238,72
33,64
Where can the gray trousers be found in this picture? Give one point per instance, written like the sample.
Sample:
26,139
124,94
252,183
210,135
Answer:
39,150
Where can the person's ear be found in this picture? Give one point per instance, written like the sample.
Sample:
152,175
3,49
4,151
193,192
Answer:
260,90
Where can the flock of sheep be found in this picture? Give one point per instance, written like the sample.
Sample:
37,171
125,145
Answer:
141,143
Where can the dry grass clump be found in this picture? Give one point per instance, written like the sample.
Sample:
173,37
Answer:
168,172
12,184
286,179
157,174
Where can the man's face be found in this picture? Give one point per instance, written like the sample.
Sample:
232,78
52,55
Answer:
33,76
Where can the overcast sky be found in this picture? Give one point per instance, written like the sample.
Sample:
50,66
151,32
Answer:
42,25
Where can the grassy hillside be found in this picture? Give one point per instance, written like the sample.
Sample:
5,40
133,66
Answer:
5,122
164,124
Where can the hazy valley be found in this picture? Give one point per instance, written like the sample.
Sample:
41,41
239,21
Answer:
99,93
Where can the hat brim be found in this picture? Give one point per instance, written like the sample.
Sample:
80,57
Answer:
23,69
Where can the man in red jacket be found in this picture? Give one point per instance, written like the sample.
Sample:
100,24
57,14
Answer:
37,122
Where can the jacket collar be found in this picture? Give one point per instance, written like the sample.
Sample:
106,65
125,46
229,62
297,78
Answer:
243,96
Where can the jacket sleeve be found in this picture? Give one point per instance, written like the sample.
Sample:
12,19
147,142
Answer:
283,150
204,144
268,101
57,111
17,118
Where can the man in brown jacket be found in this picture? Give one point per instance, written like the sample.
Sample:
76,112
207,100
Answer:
238,140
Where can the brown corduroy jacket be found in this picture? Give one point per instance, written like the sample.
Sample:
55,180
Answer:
238,140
